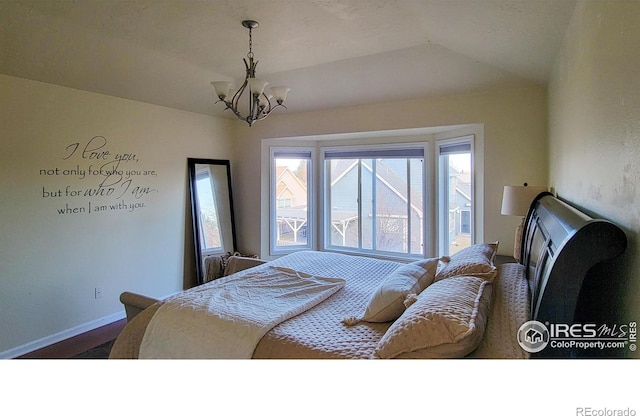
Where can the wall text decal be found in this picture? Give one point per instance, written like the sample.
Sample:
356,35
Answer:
99,179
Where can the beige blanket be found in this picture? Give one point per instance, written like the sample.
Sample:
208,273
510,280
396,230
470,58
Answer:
227,319
319,333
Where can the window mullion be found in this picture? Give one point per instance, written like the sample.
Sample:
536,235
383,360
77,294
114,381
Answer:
374,205
408,239
359,201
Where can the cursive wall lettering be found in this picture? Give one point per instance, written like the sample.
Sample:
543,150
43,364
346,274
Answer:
100,179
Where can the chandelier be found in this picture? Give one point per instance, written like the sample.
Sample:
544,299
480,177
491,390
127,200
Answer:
260,104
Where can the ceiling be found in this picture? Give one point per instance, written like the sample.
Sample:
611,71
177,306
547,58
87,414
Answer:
330,52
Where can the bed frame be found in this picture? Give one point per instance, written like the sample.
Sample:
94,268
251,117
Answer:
560,245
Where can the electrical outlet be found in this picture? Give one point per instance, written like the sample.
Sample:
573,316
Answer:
98,292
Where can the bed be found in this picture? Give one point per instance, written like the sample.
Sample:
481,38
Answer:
363,308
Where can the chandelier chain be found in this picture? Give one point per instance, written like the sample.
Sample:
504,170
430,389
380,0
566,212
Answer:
250,54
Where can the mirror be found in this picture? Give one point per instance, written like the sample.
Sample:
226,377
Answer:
214,231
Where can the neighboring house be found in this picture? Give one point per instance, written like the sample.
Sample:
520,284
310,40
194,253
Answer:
290,190
391,216
459,206
291,209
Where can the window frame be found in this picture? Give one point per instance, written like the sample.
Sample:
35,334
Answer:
442,176
384,138
302,151
325,198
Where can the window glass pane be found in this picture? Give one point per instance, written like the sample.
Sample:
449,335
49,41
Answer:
210,237
343,213
391,205
291,195
458,166
416,170
367,204
376,204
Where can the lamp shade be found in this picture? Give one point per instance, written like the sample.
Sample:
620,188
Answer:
280,93
516,200
257,86
222,88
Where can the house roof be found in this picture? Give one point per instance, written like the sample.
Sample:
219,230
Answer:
463,181
385,174
330,52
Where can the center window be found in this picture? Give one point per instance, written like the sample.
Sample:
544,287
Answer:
374,200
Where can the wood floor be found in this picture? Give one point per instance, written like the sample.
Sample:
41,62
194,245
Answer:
80,343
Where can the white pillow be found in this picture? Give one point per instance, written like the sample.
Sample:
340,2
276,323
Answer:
387,302
447,320
476,260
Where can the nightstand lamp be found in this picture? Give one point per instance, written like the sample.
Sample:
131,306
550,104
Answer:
516,201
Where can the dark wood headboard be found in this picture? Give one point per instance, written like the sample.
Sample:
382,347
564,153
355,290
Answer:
560,244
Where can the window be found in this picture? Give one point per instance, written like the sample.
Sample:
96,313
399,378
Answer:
374,200
210,235
291,200
407,195
455,179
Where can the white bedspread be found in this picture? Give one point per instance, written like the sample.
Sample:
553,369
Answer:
228,317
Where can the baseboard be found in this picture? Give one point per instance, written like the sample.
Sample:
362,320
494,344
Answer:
60,336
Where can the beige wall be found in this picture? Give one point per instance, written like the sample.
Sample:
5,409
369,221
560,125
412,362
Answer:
51,261
515,148
594,126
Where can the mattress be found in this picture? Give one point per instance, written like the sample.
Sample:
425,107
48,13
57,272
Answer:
319,333
510,308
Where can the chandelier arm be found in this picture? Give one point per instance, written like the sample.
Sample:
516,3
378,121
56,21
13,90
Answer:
230,107
259,113
268,107
249,68
236,97
269,110
260,116
236,112
252,108
264,115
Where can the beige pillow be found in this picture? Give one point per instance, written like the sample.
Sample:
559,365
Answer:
386,303
447,320
476,260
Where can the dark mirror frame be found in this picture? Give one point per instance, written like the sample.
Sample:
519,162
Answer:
195,211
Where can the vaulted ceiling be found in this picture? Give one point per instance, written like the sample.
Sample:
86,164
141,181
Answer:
330,52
